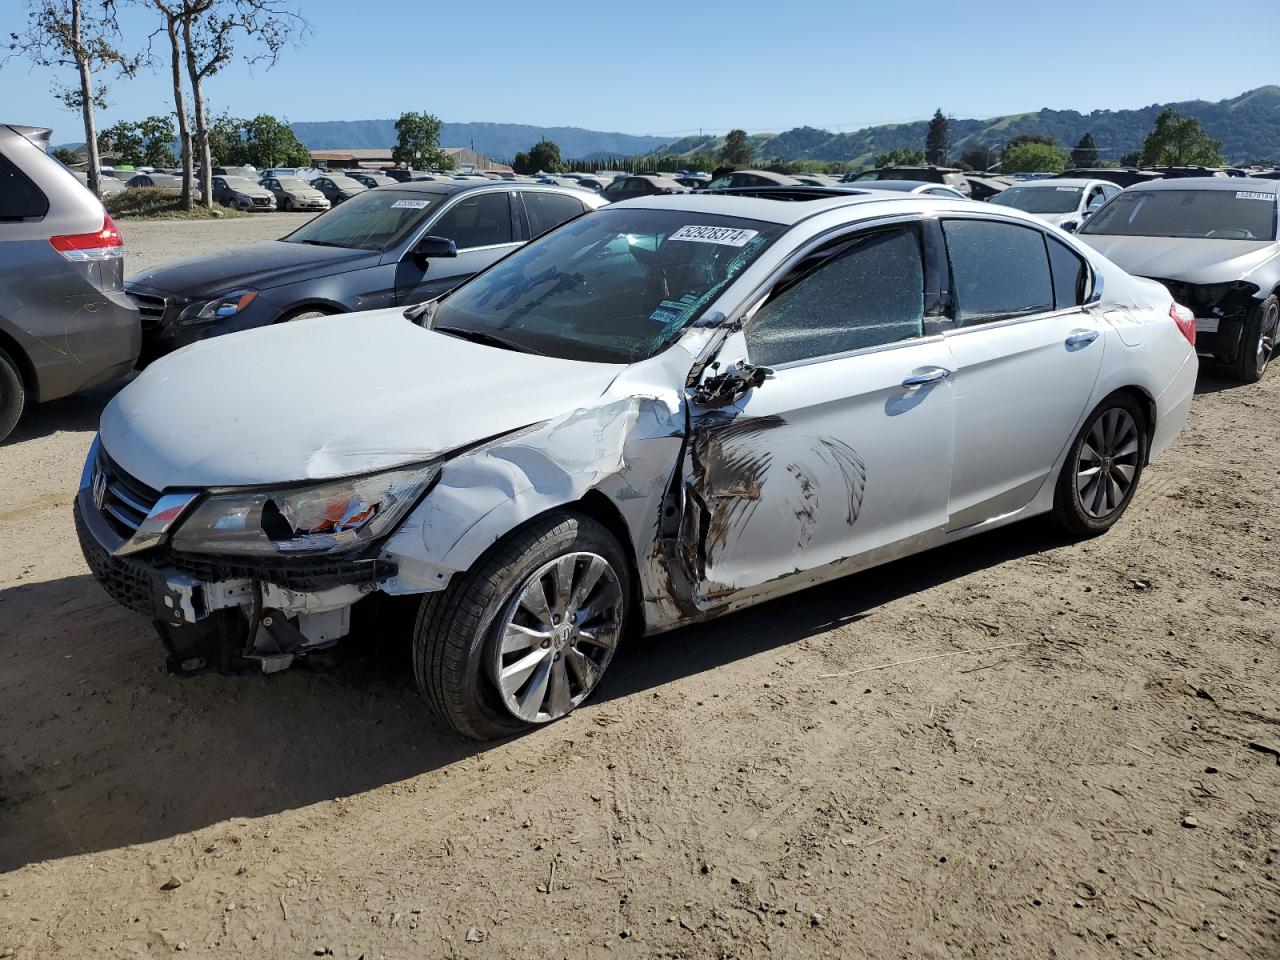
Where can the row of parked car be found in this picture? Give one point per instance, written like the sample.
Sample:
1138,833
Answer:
555,422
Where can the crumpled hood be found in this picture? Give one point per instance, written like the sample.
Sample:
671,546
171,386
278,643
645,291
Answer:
1189,260
330,397
259,265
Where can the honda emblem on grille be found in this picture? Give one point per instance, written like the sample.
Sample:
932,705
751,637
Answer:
99,489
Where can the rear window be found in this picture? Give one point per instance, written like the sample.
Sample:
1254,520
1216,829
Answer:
20,199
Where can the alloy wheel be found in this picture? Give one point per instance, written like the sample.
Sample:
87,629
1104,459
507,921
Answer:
1108,462
559,634
1267,336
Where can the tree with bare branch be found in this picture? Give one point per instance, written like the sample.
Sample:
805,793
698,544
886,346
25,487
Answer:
82,34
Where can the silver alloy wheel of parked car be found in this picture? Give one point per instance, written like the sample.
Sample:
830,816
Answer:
559,633
1268,335
1108,462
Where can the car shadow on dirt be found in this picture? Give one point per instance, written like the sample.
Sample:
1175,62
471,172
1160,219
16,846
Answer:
103,749
78,412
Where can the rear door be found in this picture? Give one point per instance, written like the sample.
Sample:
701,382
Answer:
544,210
483,226
844,453
1027,354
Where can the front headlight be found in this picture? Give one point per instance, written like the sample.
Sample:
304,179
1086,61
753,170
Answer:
330,517
228,305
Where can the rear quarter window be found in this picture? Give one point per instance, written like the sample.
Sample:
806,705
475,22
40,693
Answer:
20,198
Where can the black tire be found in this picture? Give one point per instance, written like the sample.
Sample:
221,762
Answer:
288,204
457,630
1257,341
1070,512
13,395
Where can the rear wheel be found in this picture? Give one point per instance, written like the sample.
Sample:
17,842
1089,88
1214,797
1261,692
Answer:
1258,341
525,636
1102,468
13,396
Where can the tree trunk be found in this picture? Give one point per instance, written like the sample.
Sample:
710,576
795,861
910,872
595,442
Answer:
180,108
202,128
86,104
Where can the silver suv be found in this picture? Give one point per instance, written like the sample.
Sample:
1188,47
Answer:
65,321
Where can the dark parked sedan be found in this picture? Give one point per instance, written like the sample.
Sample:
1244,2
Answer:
385,247
338,188
628,188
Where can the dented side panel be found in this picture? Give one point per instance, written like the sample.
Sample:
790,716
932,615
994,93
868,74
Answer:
827,461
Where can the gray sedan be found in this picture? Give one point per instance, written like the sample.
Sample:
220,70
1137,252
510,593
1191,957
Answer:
1213,242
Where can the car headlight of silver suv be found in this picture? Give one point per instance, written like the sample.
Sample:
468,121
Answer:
331,517
220,308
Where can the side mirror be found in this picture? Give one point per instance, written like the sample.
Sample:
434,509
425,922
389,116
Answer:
435,248
1071,226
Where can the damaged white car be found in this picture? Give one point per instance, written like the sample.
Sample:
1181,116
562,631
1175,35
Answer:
664,410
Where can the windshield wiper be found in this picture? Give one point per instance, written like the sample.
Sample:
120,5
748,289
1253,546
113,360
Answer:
488,339
322,243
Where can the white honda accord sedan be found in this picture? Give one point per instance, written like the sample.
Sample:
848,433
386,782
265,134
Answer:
664,410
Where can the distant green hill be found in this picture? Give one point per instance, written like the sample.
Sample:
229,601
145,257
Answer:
498,140
1247,125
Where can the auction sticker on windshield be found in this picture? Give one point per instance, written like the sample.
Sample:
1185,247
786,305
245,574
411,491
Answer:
726,236
410,204
1250,195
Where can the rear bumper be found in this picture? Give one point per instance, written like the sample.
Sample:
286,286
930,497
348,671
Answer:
1173,405
98,340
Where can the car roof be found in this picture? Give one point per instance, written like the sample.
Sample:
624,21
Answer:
1054,182
1251,184
907,185
769,204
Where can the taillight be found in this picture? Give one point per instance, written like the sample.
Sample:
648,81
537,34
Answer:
104,244
1186,321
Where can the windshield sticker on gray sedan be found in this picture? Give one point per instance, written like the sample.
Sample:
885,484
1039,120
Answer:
726,236
410,205
1250,195
1067,189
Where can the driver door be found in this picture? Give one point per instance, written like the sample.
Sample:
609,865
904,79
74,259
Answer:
484,228
842,457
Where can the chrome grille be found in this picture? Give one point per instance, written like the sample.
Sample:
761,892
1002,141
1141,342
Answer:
150,309
123,501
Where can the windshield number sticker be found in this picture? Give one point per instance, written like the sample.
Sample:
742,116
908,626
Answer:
1067,189
725,236
1250,195
410,205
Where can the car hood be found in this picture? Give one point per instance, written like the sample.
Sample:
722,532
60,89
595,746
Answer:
254,192
258,265
306,193
330,397
1189,260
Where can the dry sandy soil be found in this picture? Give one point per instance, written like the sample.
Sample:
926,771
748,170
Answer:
1103,783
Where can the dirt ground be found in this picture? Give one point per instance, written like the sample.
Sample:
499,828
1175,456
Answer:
1102,781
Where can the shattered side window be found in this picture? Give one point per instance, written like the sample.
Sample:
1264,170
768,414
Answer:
860,292
999,271
614,286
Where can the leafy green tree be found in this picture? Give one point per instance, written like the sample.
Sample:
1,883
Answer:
418,142
737,149
157,135
123,141
1085,153
1032,158
1021,138
271,142
901,157
67,157
1131,159
977,158
226,141
937,141
545,155
1179,140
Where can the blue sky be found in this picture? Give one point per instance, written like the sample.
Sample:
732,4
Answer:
675,69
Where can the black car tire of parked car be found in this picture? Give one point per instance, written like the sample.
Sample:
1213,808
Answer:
13,396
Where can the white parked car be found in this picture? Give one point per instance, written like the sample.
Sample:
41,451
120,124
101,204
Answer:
1064,203
664,410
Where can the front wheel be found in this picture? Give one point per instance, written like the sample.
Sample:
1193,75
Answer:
1102,468
524,636
1258,341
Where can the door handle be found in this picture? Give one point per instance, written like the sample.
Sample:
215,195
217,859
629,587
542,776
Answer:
1081,338
931,375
